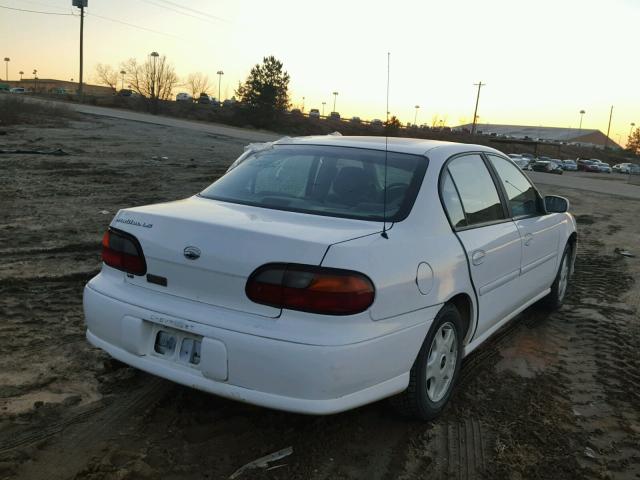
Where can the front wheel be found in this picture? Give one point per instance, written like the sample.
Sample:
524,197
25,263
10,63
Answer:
435,370
554,299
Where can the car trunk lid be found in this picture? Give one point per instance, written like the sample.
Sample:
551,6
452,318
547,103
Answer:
204,250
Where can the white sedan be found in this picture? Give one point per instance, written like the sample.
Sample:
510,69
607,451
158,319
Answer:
323,273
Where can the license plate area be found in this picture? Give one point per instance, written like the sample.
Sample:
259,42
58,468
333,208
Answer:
177,346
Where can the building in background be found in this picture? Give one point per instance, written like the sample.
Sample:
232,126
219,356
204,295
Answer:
583,137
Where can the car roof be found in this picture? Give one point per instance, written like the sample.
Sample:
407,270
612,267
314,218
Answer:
417,146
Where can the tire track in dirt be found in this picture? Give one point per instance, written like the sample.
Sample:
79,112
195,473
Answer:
75,438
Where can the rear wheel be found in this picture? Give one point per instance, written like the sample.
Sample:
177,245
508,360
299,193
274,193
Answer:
436,368
554,299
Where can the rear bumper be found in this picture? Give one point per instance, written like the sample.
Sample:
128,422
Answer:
296,377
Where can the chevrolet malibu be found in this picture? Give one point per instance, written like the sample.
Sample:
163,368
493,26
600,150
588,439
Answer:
323,273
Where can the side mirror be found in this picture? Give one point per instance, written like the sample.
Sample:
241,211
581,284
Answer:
555,204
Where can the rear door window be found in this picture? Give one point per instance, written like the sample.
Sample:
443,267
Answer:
478,194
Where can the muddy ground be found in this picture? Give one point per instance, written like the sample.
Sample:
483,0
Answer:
551,396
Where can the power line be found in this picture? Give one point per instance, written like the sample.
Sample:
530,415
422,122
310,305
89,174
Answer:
178,11
132,25
36,11
199,12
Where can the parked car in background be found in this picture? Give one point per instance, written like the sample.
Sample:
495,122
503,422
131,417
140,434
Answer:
603,166
558,162
314,113
204,99
622,167
529,156
4,88
376,122
547,166
570,165
184,97
522,163
18,90
355,120
58,91
334,116
125,92
588,166
279,285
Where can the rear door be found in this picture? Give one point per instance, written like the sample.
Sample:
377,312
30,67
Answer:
490,239
540,231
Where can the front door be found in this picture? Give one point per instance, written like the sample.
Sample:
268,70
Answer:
491,240
540,232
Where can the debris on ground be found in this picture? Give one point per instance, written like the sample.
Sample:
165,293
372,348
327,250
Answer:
624,253
588,451
55,151
263,462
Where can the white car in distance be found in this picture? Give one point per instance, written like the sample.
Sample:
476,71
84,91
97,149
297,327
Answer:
323,273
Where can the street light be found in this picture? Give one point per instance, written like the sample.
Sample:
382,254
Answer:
323,104
415,117
303,104
155,55
123,73
335,96
21,73
35,80
6,61
632,125
219,73
582,112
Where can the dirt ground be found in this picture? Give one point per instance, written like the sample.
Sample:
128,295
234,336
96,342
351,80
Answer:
550,396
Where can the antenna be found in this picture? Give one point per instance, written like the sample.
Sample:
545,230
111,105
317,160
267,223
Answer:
386,152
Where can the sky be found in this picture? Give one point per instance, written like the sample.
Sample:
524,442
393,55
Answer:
542,61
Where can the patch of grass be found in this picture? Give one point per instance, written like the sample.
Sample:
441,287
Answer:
16,110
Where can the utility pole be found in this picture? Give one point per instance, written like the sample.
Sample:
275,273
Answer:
335,96
475,112
6,68
80,4
323,104
415,117
606,141
582,112
122,73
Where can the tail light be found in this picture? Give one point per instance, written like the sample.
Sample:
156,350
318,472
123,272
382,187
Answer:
309,288
123,251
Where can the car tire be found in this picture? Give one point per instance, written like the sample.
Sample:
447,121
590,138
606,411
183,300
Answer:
426,396
560,285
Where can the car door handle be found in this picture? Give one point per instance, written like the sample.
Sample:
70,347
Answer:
527,239
477,257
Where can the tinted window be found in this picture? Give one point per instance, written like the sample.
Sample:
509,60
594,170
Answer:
452,202
324,180
521,194
478,193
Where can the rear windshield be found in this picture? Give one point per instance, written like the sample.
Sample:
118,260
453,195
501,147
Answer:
324,180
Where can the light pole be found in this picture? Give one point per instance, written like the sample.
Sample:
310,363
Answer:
606,140
21,73
335,96
35,80
153,55
122,73
323,104
415,117
303,104
631,130
582,112
6,69
219,73
475,112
